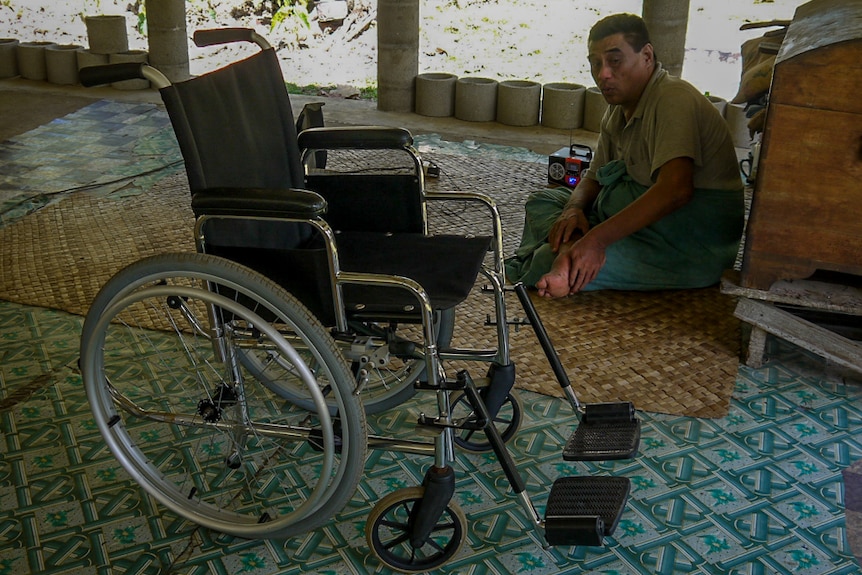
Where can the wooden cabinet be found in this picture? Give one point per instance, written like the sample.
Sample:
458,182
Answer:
806,212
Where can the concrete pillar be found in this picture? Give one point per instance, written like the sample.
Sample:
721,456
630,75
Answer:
168,40
667,22
397,54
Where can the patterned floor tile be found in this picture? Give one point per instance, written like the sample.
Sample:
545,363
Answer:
107,147
760,491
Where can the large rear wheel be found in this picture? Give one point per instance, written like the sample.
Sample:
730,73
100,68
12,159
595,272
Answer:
215,443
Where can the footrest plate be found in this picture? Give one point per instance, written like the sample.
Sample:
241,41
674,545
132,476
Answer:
583,510
606,432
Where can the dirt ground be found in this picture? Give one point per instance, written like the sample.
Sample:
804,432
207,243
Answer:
540,40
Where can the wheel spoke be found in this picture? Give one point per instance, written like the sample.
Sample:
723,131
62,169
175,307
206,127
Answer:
398,541
507,420
208,438
394,524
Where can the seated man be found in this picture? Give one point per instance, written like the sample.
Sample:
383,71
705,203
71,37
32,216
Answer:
661,206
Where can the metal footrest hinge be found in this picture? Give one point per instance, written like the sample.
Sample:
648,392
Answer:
584,510
606,431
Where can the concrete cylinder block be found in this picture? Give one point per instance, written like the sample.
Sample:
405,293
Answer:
518,102
31,60
8,57
719,103
563,105
594,109
106,33
476,99
435,94
61,62
139,56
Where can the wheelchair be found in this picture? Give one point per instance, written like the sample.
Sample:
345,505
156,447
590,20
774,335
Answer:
234,384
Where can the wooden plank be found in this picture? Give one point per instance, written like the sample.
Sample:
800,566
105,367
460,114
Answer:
806,335
810,167
803,81
756,347
821,23
817,295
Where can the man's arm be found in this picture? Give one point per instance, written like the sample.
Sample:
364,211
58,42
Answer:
573,220
673,189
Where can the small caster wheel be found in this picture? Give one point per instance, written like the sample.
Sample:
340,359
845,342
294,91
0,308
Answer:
508,420
388,533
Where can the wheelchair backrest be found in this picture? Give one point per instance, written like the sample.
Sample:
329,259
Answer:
235,126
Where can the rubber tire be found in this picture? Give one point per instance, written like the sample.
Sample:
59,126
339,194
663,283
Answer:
384,550
314,500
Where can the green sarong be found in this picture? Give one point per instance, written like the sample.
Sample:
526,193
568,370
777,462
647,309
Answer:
689,248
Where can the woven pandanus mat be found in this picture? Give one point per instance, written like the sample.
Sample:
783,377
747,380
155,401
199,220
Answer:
671,352
60,256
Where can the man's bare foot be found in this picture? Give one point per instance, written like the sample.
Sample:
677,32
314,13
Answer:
555,283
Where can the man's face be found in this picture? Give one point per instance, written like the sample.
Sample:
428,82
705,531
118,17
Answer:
620,72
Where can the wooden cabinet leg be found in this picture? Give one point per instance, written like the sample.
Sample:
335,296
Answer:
756,347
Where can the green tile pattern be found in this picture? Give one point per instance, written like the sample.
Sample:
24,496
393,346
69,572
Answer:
107,147
759,491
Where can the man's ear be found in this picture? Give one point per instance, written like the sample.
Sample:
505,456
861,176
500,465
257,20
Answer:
649,53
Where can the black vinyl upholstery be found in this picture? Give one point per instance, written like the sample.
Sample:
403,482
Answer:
236,128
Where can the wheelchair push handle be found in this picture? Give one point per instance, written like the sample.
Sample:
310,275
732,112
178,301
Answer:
109,73
227,36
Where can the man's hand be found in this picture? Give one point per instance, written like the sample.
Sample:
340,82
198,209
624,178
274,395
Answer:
571,225
586,257
578,261
576,266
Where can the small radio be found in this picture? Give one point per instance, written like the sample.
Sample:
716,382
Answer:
566,165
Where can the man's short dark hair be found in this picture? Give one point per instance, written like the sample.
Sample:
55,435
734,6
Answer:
632,28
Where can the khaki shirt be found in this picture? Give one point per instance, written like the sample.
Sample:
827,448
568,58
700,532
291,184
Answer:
672,120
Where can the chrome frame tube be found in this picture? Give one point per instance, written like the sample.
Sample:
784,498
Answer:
156,78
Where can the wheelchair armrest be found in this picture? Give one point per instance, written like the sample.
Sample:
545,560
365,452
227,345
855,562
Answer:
355,137
466,196
255,202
